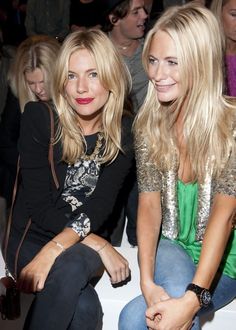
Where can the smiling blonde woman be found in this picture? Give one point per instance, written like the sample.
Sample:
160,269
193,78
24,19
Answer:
186,164
67,244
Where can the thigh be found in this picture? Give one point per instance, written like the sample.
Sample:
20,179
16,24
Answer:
132,315
174,269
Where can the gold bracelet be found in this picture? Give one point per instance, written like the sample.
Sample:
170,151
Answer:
102,247
59,245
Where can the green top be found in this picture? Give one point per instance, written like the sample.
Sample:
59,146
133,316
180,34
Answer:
187,195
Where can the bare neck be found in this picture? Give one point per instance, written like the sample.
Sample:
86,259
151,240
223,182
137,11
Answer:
126,46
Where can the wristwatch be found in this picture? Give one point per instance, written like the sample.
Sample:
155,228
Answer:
202,294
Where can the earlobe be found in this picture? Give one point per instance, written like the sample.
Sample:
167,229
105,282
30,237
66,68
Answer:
113,19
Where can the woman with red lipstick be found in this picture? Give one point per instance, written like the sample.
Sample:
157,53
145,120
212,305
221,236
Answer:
186,167
67,244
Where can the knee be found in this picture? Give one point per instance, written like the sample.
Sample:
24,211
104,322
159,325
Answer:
77,263
132,315
175,290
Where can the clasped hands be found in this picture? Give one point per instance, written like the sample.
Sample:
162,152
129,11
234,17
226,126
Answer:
166,313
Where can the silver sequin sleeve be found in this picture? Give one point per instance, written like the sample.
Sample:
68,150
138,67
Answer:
226,184
149,179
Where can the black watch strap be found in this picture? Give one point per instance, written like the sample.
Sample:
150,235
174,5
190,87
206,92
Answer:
202,294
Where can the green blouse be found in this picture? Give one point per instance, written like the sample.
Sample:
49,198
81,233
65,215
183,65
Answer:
187,211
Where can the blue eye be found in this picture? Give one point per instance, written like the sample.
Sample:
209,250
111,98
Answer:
152,60
71,76
93,74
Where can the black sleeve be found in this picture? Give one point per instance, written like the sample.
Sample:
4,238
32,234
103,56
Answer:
9,130
44,210
99,206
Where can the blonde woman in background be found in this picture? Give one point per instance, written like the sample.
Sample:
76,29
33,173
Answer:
32,70
186,163
67,245
29,79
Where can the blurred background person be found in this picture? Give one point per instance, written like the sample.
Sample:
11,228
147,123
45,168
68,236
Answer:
85,14
225,12
29,79
12,21
125,23
50,17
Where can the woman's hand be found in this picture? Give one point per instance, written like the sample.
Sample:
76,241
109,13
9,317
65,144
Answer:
116,265
153,293
33,276
173,314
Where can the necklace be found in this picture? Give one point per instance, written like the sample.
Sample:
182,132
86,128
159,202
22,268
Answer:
98,147
124,47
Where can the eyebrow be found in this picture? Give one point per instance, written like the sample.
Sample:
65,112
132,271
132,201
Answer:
89,70
166,58
137,8
33,82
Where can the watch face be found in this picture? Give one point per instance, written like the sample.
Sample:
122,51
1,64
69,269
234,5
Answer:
205,298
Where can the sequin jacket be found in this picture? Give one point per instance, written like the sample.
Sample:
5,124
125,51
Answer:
151,179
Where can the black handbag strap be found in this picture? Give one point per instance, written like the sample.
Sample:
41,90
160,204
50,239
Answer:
56,182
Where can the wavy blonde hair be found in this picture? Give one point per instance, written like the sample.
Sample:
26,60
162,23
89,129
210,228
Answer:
113,75
35,52
208,115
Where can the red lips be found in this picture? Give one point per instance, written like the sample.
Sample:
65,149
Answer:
84,100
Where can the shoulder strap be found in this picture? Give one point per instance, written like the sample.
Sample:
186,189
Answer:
51,143
9,222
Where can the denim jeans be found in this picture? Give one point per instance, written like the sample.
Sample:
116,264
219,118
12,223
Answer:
175,269
68,300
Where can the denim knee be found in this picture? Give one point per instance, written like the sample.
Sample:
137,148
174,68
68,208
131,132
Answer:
132,315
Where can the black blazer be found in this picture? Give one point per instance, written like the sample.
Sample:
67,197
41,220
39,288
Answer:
9,134
37,196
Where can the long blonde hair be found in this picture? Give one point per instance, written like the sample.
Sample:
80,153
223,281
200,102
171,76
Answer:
208,115
113,75
38,51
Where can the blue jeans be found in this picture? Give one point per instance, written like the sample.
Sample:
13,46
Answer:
175,269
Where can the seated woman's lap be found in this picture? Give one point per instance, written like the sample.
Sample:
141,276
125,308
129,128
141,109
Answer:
174,270
66,285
